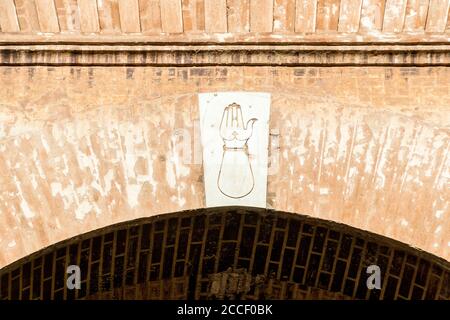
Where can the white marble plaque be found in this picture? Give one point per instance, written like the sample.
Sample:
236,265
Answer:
235,134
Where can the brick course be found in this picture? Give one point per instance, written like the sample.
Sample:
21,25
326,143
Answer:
388,176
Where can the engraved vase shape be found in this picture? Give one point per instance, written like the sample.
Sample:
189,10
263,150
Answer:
235,179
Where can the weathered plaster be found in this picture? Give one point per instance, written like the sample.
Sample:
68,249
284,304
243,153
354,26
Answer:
83,148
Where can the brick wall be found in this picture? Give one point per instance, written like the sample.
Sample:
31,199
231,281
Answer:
86,147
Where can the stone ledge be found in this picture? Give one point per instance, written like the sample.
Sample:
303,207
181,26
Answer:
224,55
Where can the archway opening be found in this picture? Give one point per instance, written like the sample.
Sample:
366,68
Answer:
227,253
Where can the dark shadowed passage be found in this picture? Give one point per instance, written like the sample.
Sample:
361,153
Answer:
228,253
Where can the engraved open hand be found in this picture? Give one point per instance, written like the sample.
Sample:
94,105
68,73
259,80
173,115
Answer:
233,131
235,178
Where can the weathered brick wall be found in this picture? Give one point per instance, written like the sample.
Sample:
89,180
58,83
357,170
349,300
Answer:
86,147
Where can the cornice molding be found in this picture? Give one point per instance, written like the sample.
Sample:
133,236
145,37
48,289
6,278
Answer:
200,54
255,38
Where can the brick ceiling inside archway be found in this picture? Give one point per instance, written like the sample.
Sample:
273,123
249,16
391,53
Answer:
257,253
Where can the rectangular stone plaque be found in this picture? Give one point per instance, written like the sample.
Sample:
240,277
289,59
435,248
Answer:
235,135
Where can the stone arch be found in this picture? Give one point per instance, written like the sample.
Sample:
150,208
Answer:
231,253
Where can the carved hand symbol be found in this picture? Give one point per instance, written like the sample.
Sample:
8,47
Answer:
235,178
233,131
